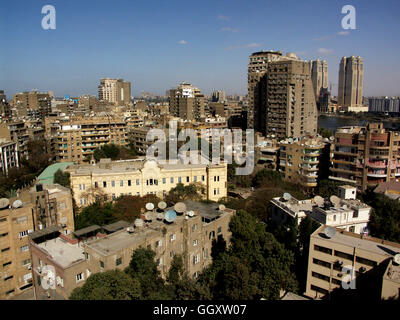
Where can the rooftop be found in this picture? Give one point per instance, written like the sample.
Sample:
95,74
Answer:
47,176
373,245
64,253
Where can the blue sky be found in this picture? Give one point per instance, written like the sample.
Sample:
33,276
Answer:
157,44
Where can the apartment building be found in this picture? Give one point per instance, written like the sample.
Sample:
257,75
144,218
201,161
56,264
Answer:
33,210
299,160
366,155
8,155
281,95
140,177
21,132
75,138
186,102
267,153
387,105
116,91
190,235
344,212
319,76
351,82
335,255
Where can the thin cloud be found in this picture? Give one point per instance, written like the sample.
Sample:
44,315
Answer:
182,42
324,51
223,18
340,33
250,45
229,29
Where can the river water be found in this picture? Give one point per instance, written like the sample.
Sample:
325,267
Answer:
332,123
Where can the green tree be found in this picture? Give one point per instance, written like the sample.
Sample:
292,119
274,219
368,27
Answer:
144,268
325,133
193,191
62,178
218,247
109,285
96,213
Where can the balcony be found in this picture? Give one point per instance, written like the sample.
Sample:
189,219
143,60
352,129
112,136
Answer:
377,164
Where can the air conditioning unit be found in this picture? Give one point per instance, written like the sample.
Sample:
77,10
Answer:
363,269
339,275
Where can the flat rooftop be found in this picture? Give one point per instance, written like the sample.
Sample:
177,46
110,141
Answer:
362,242
121,239
64,253
123,166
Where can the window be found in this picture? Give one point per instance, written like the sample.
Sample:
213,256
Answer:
194,227
366,261
121,183
79,277
195,178
320,276
343,255
3,234
137,182
102,264
26,262
179,179
129,183
113,183
322,263
159,243
211,235
172,237
194,243
3,219
323,249
171,254
24,248
21,220
215,191
23,234
164,180
87,256
187,179
8,278
96,185
104,184
118,261
202,178
5,249
318,289
355,214
205,253
219,230
6,264
196,258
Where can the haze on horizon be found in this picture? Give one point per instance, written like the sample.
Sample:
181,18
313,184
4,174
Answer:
156,45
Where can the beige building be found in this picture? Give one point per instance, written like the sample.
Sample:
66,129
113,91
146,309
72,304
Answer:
141,177
376,274
299,160
8,155
344,212
351,82
75,138
365,156
116,91
319,76
189,235
186,102
49,206
281,95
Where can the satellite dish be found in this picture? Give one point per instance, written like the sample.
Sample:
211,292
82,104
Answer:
180,207
170,216
148,216
4,203
329,232
221,207
160,216
396,259
287,196
130,229
149,206
190,213
138,223
319,200
335,201
162,205
17,204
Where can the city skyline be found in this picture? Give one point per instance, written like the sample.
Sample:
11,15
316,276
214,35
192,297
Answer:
155,50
